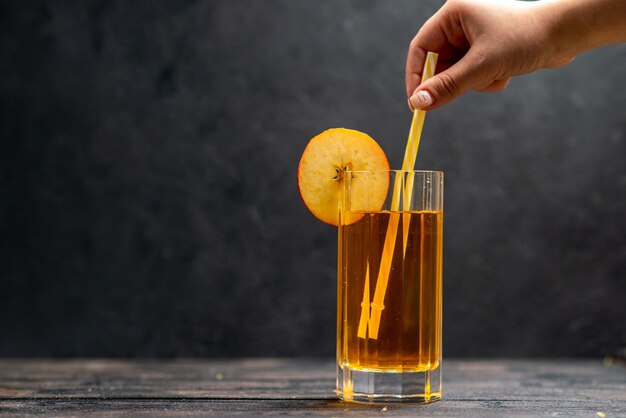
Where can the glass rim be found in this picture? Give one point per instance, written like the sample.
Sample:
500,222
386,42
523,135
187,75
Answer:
439,172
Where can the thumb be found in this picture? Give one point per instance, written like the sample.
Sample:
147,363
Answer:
468,73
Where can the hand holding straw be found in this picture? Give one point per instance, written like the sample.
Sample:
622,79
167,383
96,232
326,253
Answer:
408,163
413,143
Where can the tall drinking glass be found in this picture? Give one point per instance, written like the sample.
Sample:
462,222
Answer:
390,287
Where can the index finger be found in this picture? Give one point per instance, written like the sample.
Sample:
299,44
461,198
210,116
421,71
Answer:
443,34
429,38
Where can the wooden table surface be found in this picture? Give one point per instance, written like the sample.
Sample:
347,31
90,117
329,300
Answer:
293,387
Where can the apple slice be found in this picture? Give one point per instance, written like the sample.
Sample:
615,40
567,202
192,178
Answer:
321,172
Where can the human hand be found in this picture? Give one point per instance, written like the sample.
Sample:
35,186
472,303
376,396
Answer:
481,45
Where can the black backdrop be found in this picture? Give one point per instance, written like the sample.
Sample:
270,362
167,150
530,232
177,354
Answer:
148,202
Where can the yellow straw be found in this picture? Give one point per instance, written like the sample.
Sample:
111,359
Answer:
365,305
408,163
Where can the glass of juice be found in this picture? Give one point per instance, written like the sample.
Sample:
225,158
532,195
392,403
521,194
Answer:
390,287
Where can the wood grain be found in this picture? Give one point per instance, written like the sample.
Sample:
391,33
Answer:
295,387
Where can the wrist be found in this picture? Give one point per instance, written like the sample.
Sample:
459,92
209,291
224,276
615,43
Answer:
565,35
576,26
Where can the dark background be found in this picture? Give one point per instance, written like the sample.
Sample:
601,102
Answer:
148,197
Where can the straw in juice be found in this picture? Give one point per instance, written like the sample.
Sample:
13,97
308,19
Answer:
365,305
408,163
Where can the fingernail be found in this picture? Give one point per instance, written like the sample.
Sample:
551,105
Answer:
421,99
410,105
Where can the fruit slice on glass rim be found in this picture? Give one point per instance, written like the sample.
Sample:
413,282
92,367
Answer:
322,170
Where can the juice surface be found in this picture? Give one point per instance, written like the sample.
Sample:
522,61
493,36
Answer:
409,336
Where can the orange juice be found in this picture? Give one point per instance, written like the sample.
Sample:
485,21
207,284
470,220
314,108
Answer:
409,336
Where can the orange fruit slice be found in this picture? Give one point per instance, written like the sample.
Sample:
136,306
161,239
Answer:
321,173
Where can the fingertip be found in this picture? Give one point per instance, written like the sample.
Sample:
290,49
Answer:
421,99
